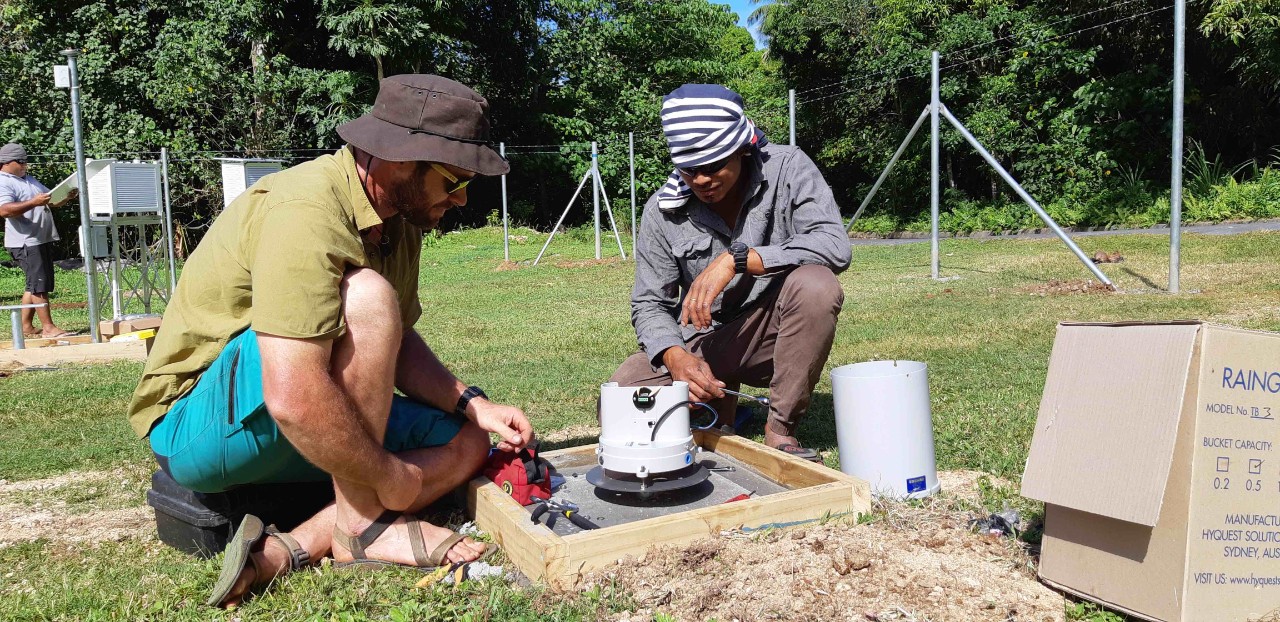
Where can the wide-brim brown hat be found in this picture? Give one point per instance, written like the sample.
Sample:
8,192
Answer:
426,118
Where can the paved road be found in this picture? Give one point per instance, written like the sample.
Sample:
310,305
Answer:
1222,229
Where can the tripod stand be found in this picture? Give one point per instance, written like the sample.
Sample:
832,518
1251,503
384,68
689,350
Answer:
597,191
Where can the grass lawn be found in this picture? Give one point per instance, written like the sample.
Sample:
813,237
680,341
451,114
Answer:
544,338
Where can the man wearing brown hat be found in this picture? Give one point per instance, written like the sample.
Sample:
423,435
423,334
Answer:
291,328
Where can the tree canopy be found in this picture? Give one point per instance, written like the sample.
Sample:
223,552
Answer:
1072,95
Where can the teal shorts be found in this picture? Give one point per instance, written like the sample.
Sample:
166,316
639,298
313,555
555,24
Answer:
220,435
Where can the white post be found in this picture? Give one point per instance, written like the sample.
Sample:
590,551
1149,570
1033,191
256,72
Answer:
506,238
934,149
608,210
791,107
168,226
631,150
1175,187
595,192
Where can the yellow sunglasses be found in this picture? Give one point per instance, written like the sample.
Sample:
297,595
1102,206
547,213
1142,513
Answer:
458,184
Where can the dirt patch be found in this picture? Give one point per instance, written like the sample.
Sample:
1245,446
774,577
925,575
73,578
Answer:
963,486
917,562
1064,288
76,507
586,263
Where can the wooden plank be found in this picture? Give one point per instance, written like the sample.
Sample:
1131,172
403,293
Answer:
82,353
590,550
40,342
531,546
778,466
572,456
560,561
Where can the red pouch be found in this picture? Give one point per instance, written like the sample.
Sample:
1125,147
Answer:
521,475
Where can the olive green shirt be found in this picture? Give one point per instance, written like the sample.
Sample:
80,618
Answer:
273,261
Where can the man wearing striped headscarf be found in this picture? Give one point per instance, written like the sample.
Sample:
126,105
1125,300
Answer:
736,266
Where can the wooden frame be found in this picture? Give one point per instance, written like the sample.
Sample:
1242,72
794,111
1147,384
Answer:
46,354
814,491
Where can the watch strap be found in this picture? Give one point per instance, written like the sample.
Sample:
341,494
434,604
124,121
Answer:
740,253
466,397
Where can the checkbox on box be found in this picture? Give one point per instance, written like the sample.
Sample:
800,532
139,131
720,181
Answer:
1255,467
1224,464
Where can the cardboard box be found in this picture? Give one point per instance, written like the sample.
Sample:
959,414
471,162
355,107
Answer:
110,328
1155,452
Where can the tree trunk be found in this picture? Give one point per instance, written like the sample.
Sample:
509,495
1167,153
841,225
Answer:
258,61
378,59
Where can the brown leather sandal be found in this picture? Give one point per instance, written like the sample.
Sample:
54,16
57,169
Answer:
239,554
425,562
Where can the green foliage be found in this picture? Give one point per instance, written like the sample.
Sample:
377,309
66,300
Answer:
1089,612
614,61
1056,98
1061,102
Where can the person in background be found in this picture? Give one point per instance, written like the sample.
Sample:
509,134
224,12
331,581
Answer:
29,234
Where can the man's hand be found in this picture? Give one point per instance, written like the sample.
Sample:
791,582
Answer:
696,309
690,368
41,199
508,422
401,486
75,192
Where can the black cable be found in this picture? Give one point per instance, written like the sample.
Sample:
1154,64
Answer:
657,424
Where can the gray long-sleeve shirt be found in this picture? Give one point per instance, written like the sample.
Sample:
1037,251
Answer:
789,218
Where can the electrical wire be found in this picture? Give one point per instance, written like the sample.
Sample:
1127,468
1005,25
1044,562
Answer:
1040,28
1044,27
993,55
715,416
511,153
1057,37
575,144
651,133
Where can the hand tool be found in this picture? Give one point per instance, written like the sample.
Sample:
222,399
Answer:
764,401
568,510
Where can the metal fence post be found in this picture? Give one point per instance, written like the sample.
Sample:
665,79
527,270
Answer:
506,238
82,182
935,103
1022,194
631,150
924,114
791,107
595,192
168,225
1175,187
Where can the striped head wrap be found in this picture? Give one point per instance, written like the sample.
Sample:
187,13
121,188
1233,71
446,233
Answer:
703,124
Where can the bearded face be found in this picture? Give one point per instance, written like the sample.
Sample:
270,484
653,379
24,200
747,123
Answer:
420,197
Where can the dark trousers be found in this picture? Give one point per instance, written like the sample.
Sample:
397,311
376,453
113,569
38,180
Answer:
782,342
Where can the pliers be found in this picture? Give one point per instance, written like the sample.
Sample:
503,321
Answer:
569,511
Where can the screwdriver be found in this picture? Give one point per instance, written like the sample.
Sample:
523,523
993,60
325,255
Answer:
570,512
764,401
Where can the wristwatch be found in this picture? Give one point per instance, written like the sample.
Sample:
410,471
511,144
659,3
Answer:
740,253
464,399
